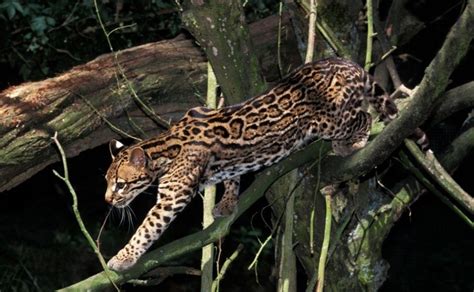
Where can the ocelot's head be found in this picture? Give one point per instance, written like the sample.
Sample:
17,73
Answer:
129,174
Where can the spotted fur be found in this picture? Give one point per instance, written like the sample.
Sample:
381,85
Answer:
324,100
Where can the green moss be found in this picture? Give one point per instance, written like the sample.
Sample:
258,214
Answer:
24,149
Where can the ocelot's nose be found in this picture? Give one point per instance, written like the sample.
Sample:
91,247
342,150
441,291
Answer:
108,197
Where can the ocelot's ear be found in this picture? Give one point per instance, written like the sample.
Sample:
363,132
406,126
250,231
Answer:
115,147
138,157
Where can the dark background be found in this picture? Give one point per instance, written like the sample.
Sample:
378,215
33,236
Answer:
41,247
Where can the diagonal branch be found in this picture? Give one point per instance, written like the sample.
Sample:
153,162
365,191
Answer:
454,100
197,240
430,89
437,172
461,146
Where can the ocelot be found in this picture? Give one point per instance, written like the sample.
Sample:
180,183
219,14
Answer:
324,99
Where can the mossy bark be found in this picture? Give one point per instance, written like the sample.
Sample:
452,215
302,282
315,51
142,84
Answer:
169,75
356,263
342,272
195,241
32,112
220,28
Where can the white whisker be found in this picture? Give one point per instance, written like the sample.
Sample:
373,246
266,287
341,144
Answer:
122,215
130,216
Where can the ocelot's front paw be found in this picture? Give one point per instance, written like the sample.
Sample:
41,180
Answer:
119,263
224,208
344,148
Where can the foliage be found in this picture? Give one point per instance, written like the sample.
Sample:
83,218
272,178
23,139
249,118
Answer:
257,9
251,238
42,38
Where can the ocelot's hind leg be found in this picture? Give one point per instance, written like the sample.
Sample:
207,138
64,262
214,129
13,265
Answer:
229,200
359,129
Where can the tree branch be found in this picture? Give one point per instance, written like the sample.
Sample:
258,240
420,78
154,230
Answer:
431,165
366,238
209,198
170,75
421,178
430,89
451,158
454,100
32,112
197,240
224,36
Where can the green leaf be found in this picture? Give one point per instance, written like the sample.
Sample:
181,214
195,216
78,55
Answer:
25,72
11,11
38,24
12,7
50,21
18,7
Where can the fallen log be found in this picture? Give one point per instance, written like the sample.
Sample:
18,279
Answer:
168,75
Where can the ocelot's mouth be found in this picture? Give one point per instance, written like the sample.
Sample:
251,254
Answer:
120,203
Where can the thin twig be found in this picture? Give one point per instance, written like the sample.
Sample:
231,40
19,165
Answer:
75,208
104,118
218,261
262,246
328,34
280,67
387,48
311,31
209,198
370,35
102,227
225,266
120,28
135,126
149,111
327,192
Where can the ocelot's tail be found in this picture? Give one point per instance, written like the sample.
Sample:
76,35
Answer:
388,110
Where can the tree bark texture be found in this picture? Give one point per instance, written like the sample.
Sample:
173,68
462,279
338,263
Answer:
169,75
220,28
352,253
193,242
358,251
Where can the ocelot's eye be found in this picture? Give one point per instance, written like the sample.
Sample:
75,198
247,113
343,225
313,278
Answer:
119,185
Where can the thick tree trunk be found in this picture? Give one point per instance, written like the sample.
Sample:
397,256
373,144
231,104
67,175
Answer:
169,75
220,28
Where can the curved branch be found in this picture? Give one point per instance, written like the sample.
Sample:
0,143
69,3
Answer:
195,241
464,143
430,89
454,100
456,152
437,172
